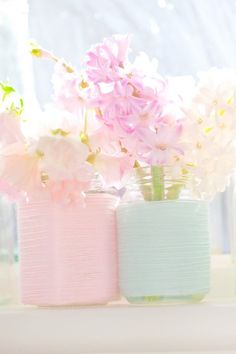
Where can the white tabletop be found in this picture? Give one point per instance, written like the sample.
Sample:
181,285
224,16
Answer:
199,328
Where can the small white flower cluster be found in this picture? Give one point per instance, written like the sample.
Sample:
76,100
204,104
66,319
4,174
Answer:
209,132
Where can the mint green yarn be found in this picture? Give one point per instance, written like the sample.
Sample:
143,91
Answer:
163,248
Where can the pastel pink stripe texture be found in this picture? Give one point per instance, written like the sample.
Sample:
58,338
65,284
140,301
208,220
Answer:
68,253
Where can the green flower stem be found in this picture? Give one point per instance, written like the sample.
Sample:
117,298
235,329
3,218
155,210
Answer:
158,187
146,189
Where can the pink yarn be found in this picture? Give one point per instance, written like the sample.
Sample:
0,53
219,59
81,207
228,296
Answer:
68,253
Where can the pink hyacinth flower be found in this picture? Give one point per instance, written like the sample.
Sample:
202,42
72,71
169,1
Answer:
10,129
64,158
114,170
106,60
68,93
22,172
68,192
160,145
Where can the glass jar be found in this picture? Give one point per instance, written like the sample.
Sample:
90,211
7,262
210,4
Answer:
163,239
69,252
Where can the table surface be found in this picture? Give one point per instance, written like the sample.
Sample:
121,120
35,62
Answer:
199,328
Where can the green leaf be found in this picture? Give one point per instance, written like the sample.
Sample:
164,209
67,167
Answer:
10,100
21,103
7,90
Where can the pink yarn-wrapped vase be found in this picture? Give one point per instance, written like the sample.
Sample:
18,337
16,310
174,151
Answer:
68,254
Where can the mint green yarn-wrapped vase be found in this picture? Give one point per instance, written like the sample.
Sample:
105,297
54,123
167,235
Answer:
164,253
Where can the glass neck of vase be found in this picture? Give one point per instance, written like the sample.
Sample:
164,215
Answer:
158,183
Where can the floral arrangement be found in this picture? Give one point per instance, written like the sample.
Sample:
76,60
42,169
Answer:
114,117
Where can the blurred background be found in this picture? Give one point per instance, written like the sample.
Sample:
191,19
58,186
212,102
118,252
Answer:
186,36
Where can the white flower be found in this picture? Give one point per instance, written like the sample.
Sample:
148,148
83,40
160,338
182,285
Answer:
64,158
209,132
145,66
